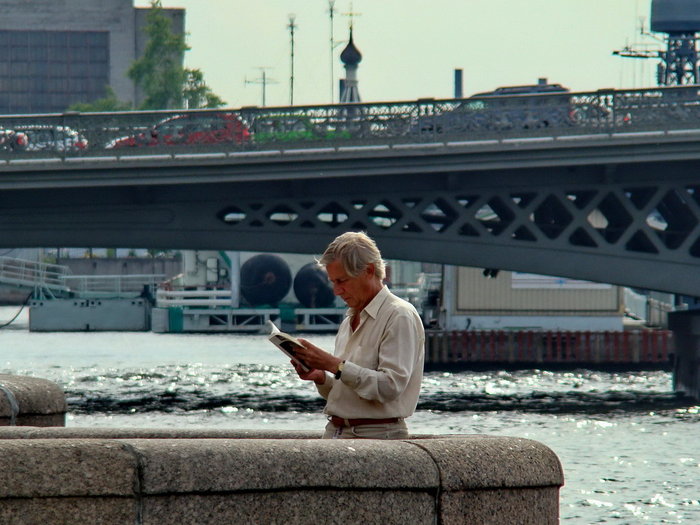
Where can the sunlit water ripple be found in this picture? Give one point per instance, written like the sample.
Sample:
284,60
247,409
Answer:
629,446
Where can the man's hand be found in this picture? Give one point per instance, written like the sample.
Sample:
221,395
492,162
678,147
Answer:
315,375
318,358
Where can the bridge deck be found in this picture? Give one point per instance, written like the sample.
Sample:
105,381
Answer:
608,190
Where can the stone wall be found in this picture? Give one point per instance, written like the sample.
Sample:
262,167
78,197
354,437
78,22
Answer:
31,401
66,476
162,477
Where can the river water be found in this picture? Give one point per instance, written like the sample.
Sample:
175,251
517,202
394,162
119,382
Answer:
630,448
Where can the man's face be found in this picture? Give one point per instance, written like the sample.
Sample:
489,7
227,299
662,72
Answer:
357,291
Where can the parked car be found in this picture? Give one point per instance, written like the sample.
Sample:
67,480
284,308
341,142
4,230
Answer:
530,106
53,138
524,107
12,140
189,129
542,86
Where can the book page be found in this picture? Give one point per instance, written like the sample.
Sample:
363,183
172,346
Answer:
287,344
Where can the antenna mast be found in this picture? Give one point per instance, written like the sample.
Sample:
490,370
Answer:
263,81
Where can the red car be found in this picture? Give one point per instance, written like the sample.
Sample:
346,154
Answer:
190,129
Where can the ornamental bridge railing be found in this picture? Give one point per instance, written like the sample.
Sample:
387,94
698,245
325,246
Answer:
254,130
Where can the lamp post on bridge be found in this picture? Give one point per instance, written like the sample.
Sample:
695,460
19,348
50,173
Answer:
331,12
292,26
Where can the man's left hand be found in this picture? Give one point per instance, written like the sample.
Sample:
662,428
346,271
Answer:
318,358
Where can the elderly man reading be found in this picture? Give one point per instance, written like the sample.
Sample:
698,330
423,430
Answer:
372,380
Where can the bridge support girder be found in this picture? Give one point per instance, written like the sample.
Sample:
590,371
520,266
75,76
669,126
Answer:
686,366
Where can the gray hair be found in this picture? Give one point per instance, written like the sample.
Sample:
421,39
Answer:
356,250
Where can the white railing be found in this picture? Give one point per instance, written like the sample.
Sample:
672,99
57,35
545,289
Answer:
112,285
33,274
197,298
49,280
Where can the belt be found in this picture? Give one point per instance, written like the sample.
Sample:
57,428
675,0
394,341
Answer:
342,422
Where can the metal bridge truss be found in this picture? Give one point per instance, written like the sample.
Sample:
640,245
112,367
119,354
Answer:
625,213
621,233
652,220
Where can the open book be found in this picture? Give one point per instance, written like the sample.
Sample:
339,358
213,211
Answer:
287,344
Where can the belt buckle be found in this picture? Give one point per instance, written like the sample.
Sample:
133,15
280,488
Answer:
338,421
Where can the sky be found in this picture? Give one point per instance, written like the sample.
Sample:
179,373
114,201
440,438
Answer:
411,48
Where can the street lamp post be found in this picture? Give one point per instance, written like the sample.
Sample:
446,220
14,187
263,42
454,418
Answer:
331,12
292,26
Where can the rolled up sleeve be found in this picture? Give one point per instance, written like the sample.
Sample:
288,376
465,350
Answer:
325,388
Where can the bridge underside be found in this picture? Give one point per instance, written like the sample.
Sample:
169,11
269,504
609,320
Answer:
611,215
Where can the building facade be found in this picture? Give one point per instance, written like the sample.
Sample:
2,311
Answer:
61,52
474,299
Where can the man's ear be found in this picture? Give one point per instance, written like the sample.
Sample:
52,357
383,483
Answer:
370,270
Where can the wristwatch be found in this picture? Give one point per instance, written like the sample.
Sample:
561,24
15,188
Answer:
340,369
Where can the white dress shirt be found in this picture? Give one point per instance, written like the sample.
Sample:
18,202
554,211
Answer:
383,357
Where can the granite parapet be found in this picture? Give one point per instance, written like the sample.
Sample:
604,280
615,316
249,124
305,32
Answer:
160,477
34,401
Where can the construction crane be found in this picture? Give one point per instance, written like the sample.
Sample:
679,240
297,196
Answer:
680,21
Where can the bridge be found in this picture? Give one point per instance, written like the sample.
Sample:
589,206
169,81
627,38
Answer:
601,186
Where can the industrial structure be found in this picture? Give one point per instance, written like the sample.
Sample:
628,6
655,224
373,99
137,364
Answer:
680,21
60,53
241,291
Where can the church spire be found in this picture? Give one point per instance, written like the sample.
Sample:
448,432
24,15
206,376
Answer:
350,57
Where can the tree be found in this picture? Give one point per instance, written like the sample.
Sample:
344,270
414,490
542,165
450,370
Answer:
159,71
197,94
166,84
108,103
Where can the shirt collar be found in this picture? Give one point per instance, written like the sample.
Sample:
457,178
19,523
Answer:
375,304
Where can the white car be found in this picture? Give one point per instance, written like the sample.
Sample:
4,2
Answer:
53,138
11,140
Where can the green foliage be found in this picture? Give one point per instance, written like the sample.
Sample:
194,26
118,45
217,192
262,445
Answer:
283,136
159,71
108,103
262,137
337,134
166,84
196,92
293,128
